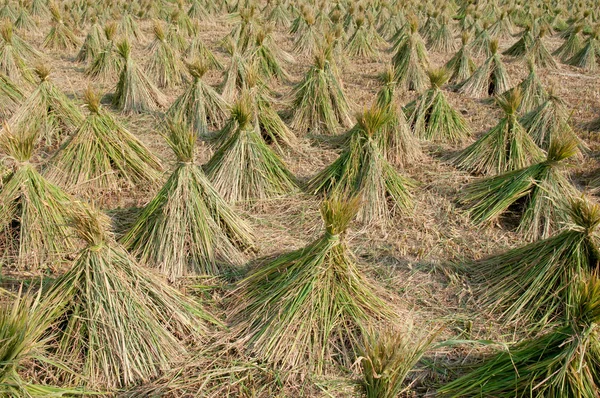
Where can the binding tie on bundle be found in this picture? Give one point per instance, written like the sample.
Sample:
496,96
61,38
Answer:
334,237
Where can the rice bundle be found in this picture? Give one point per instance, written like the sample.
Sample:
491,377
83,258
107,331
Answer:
33,211
490,78
572,44
24,22
198,50
267,58
548,122
536,283
308,38
533,93
15,54
60,35
234,77
503,27
10,95
480,46
23,324
396,140
101,154
411,61
135,93
523,45
187,228
586,58
360,44
128,28
387,357
539,53
562,362
92,44
319,104
119,323
107,63
47,111
302,310
442,38
244,168
362,170
538,191
505,147
165,64
461,65
200,107
431,115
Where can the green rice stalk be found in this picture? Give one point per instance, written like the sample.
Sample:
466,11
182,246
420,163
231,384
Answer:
198,50
119,323
539,191
319,104
47,111
411,61
562,362
101,154
164,65
490,78
200,107
461,65
362,170
303,310
387,357
187,228
244,168
534,284
431,115
60,36
33,211
93,44
135,93
107,63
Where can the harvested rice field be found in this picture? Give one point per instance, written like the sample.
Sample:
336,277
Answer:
315,198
